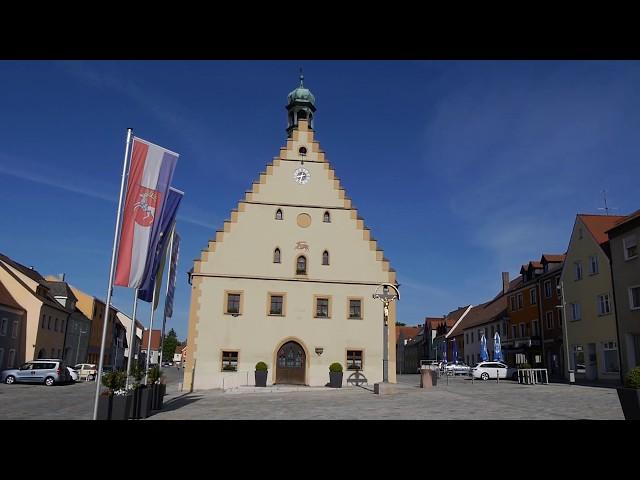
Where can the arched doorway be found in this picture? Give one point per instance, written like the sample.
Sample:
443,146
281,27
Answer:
291,364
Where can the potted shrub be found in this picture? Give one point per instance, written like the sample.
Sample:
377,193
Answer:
110,405
629,395
154,381
261,374
141,394
335,375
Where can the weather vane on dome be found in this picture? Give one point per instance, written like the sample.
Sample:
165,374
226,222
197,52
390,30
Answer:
301,77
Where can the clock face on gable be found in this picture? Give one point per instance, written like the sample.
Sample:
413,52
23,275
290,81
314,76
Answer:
301,175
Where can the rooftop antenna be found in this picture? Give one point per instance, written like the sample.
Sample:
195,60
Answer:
606,207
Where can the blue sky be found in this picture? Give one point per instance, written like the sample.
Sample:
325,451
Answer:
462,169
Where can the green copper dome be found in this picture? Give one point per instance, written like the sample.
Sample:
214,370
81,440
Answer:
301,94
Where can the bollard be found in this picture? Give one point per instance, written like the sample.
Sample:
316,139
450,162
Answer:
497,376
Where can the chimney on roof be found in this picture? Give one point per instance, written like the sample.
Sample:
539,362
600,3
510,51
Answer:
505,282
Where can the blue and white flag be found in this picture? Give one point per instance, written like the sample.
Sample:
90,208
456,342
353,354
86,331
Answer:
497,349
171,286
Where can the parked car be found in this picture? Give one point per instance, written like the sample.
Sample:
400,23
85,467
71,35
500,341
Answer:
459,368
73,373
167,364
86,371
44,371
487,370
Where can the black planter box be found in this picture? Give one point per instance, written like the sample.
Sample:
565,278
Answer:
121,407
261,378
630,402
141,403
105,404
335,379
162,393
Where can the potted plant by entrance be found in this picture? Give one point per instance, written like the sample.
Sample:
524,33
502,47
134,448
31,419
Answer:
629,395
261,374
335,375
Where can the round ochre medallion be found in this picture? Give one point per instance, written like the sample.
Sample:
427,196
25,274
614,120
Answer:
304,220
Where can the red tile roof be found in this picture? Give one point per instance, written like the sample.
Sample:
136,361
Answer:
7,300
408,332
552,258
634,216
599,224
155,339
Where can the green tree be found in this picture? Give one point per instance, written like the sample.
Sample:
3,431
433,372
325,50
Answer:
169,347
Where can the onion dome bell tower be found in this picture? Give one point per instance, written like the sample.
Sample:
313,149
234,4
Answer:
301,104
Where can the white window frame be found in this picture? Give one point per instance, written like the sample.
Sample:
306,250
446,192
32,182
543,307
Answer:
533,296
520,302
575,307
626,244
547,289
603,300
577,271
549,316
593,265
631,305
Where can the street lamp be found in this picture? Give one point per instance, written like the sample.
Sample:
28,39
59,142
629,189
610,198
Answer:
560,288
82,332
383,292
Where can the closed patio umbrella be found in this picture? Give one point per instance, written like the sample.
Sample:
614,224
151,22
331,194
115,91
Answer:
497,349
484,355
455,351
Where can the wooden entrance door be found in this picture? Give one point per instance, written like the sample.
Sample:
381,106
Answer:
291,364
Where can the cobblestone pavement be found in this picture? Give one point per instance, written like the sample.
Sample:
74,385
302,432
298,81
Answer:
59,402
460,399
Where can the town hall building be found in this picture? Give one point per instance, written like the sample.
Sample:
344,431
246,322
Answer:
289,280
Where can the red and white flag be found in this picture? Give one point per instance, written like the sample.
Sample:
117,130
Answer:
149,180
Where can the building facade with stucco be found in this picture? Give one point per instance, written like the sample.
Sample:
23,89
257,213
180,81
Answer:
289,280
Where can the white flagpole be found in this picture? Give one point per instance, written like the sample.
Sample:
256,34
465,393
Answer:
153,310
164,316
132,334
116,233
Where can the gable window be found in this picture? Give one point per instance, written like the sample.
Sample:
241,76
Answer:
278,214
3,326
322,307
634,298
604,308
520,301
276,255
326,218
325,258
532,296
233,303
547,289
229,361
549,320
630,245
14,329
593,264
575,311
301,265
355,308
354,359
276,305
577,270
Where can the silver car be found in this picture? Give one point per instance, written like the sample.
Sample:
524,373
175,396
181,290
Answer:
48,372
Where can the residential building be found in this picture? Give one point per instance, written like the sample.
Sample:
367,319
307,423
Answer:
126,321
525,331
289,280
94,309
156,338
12,330
588,297
446,332
46,319
624,244
76,340
550,303
405,335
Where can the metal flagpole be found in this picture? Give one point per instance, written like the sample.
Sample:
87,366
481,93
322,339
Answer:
132,334
164,316
116,233
153,310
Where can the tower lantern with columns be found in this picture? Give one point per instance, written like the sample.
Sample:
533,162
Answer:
301,104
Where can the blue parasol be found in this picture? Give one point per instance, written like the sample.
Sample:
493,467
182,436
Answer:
454,354
484,355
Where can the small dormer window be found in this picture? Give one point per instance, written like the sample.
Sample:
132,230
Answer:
327,217
278,214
